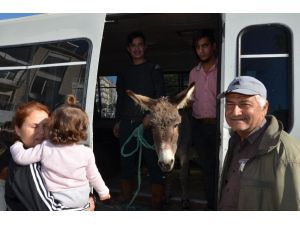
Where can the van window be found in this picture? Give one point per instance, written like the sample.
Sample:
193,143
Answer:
44,72
264,52
175,82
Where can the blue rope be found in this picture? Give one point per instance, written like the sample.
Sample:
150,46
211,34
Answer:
141,142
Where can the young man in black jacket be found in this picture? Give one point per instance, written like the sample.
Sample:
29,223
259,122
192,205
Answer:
143,78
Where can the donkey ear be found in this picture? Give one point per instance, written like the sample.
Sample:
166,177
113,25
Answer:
182,98
145,102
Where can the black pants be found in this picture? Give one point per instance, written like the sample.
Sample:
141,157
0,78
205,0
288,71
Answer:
129,165
204,141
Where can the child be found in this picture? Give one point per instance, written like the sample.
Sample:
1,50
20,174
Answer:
66,165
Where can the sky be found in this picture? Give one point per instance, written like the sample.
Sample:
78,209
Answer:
4,16
153,6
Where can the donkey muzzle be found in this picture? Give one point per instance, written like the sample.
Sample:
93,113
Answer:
166,160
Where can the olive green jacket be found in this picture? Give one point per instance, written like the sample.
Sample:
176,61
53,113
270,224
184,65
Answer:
271,179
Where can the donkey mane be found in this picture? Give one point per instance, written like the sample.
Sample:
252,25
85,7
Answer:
164,114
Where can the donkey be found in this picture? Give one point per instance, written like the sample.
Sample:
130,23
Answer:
171,131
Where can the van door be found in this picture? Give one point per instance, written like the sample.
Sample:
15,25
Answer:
44,57
263,46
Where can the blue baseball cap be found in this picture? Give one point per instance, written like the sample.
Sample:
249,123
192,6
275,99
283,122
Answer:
245,85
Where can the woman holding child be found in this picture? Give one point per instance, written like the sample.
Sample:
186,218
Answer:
25,186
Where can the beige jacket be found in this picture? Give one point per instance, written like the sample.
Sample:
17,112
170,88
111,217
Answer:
271,179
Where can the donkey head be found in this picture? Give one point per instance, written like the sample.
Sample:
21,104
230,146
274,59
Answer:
164,120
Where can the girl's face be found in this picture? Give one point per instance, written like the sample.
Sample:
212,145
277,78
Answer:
34,129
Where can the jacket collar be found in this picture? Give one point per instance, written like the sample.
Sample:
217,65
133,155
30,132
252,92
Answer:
271,137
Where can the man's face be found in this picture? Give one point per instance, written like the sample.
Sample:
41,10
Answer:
243,113
136,49
205,49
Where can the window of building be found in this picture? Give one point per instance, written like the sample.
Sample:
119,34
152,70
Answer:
264,52
9,75
55,59
3,101
106,96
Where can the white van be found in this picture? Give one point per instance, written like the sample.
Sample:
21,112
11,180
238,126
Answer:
44,57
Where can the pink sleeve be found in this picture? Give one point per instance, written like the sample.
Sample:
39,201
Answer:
95,178
26,156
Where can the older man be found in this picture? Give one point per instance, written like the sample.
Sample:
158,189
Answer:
262,166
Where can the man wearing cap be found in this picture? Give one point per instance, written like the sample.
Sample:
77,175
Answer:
262,165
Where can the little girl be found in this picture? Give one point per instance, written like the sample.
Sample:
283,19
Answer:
66,165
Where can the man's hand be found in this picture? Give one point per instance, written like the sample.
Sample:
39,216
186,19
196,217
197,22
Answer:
116,129
146,121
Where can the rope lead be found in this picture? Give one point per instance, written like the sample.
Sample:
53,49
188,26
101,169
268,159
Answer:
141,142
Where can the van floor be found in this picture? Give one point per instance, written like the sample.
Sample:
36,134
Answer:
143,200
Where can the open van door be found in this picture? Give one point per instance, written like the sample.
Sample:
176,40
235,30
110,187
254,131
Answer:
45,57
264,46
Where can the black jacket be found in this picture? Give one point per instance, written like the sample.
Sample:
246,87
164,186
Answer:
144,79
25,190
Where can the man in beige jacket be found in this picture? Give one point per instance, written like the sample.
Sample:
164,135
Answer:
262,166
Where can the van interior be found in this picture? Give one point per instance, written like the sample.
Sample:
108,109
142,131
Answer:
169,43
169,40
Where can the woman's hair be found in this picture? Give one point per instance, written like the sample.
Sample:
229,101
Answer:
24,110
68,123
